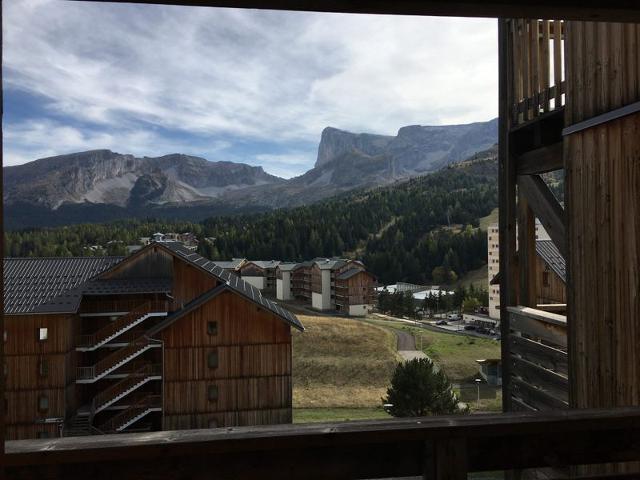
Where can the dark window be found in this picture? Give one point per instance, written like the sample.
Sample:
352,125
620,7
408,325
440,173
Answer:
43,434
213,392
212,328
545,279
43,367
43,403
212,359
213,423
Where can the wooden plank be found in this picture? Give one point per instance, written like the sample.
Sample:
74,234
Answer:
557,60
541,160
539,353
534,43
615,10
545,63
539,329
526,67
527,256
546,207
536,398
507,197
560,308
551,382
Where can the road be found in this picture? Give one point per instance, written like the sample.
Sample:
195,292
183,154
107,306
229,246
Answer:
407,346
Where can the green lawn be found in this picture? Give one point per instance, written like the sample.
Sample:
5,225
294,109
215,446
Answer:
307,415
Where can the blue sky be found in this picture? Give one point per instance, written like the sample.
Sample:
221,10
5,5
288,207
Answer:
227,84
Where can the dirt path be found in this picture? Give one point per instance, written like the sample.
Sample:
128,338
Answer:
407,346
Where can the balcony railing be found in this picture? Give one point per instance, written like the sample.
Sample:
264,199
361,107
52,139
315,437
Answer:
538,359
447,447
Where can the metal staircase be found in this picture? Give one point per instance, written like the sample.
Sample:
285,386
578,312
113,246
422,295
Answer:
90,342
140,408
137,378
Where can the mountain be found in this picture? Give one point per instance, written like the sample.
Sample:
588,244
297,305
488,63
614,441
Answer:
402,231
101,185
106,177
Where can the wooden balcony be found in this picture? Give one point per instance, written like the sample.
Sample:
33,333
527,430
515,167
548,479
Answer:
447,447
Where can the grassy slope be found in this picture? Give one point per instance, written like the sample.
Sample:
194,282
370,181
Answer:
489,219
339,363
455,354
477,278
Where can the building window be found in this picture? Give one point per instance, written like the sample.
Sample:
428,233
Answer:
545,279
43,367
43,434
212,328
43,334
212,359
213,392
43,403
5,335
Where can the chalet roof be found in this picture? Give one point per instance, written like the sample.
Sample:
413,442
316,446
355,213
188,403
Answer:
232,264
231,281
329,263
265,263
287,267
350,273
114,286
552,257
49,284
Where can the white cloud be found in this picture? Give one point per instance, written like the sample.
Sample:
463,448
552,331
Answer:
260,75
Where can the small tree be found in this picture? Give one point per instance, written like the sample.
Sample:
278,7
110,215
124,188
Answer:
418,389
470,305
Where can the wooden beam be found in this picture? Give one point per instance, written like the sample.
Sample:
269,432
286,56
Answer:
546,207
527,257
368,449
613,10
507,201
546,326
540,353
541,160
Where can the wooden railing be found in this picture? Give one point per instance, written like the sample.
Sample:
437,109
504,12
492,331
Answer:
122,323
537,67
140,405
447,447
538,359
140,373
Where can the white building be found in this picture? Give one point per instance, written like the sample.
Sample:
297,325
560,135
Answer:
283,281
493,262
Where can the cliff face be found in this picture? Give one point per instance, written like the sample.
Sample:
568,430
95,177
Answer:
105,177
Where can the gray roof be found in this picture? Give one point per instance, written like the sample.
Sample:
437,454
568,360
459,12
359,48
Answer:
115,286
49,284
287,267
329,263
265,263
349,273
232,282
232,264
552,257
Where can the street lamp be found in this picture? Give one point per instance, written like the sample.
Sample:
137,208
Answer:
478,385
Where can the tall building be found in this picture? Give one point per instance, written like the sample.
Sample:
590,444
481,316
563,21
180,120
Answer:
550,268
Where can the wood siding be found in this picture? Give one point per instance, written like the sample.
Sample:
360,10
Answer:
357,290
251,371
555,291
603,212
189,282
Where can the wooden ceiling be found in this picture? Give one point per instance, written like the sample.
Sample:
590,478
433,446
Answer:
609,10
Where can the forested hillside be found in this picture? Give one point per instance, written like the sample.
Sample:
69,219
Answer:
420,231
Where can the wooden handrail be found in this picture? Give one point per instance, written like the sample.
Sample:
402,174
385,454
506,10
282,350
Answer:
452,446
141,404
142,371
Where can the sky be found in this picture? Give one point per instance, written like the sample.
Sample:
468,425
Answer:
249,86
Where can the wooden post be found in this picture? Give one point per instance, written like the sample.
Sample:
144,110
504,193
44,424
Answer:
507,201
526,252
445,459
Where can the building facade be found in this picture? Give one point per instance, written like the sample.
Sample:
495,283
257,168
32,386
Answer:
161,339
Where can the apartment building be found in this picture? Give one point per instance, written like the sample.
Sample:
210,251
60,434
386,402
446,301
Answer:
162,339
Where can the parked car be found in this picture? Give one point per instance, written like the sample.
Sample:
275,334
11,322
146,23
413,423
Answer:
454,316
470,327
442,322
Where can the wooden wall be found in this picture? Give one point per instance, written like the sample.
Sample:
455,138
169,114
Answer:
25,384
189,282
603,215
147,263
117,303
555,291
253,372
359,289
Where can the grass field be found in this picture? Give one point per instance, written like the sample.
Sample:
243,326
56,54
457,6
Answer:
341,363
477,278
455,354
489,219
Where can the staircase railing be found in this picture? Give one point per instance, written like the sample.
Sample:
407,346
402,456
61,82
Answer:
140,406
108,331
142,371
107,363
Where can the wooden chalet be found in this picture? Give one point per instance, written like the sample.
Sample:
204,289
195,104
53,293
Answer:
261,274
159,340
569,99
